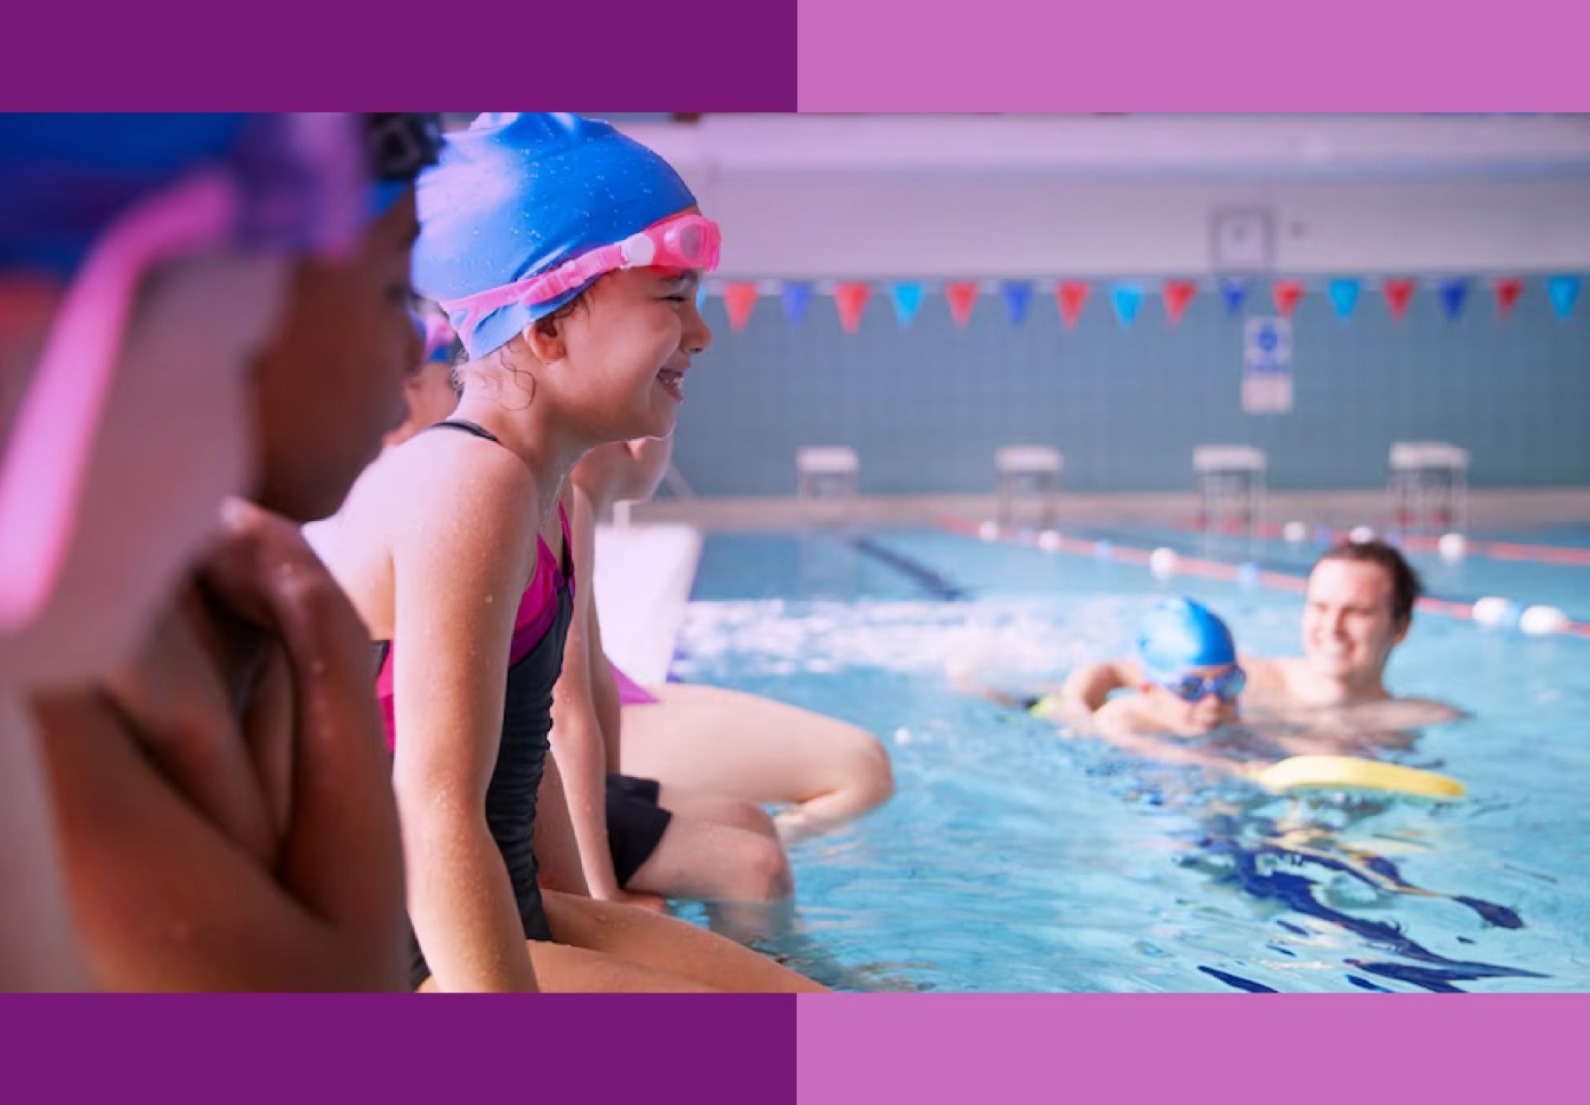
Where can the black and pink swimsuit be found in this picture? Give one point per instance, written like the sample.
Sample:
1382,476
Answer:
535,661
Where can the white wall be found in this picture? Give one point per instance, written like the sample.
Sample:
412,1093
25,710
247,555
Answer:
872,196
947,228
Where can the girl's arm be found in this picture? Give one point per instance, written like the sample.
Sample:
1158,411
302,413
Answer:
577,737
604,692
462,553
167,897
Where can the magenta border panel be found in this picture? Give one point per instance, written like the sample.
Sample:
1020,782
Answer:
281,1050
1229,1048
304,55
1229,55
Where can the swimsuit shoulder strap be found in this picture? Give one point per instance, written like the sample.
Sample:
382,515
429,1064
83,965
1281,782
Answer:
467,427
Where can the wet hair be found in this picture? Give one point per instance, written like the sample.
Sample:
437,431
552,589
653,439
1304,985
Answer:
506,357
401,143
548,324
1405,585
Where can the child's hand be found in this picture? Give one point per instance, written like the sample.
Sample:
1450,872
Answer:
171,889
343,857
177,698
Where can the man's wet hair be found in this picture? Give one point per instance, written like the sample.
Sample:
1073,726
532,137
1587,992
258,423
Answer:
1405,585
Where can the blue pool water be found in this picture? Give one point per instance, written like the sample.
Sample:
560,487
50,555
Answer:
1014,859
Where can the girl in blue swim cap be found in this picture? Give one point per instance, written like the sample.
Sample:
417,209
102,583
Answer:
567,257
213,772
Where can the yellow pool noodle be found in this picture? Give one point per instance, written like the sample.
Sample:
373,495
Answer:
1355,773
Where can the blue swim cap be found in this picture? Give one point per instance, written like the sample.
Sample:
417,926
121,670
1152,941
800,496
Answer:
1178,634
519,194
65,178
306,180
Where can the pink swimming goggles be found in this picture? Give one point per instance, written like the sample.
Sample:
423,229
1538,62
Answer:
682,242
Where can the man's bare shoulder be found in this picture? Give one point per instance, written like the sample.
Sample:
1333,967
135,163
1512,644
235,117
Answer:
1268,675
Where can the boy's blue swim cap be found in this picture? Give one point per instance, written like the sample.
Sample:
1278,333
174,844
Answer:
1179,634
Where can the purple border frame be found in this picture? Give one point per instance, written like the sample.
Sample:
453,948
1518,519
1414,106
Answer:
877,55
306,55
272,1050
1229,55
1321,1049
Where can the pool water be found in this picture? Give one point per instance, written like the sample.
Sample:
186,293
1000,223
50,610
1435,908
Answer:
1014,858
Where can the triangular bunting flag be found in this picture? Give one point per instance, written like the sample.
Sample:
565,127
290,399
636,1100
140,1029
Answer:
796,294
1508,289
1071,295
1177,294
962,295
1287,293
1344,296
1398,293
850,297
1454,293
740,300
1563,290
907,301
1234,290
1128,298
1017,293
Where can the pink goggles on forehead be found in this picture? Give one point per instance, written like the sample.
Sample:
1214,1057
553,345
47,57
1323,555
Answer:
682,242
45,465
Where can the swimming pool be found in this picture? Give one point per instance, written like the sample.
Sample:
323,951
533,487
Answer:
1012,859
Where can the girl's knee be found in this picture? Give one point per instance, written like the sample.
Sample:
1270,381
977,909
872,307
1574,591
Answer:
762,872
867,771
752,818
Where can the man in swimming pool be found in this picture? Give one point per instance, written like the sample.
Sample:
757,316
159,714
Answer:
1358,608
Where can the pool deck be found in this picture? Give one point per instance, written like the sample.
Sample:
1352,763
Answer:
1489,508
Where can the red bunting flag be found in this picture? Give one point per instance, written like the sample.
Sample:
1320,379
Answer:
962,295
1508,289
1287,293
1177,294
1398,293
739,300
1071,294
851,299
